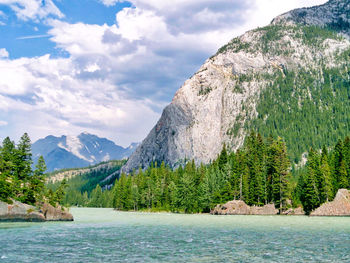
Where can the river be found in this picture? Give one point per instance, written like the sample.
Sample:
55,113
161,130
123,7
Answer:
103,235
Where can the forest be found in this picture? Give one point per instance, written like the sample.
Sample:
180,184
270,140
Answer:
259,173
19,181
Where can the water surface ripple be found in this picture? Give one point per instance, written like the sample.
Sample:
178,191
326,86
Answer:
103,235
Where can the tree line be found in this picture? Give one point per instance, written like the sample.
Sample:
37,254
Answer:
18,180
258,174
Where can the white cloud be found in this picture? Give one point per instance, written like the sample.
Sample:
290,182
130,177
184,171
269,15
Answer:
3,123
33,9
58,101
4,53
109,2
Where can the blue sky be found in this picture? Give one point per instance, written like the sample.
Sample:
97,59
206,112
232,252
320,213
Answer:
106,66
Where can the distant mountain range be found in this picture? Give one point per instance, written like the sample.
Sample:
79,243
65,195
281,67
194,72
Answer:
78,151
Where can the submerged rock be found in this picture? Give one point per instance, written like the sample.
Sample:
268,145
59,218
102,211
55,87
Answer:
340,206
239,207
20,212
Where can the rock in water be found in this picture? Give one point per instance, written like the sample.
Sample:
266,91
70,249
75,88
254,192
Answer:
235,207
239,207
241,88
268,209
294,211
18,211
56,213
340,206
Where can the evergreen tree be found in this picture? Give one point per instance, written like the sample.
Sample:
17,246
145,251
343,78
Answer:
37,180
327,191
280,173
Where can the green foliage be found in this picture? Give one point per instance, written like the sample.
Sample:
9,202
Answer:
17,179
307,108
235,45
84,188
326,173
258,174
204,91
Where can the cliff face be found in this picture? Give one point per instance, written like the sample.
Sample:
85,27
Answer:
247,84
334,14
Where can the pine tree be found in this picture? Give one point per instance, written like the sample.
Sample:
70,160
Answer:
327,192
222,160
280,174
343,176
60,192
24,158
37,180
309,196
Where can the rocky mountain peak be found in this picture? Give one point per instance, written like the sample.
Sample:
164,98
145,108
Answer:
78,151
274,80
335,14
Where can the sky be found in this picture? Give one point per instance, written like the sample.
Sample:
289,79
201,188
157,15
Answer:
109,67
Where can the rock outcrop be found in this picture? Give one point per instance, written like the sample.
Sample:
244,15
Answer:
340,206
334,14
56,213
299,211
227,97
238,207
19,212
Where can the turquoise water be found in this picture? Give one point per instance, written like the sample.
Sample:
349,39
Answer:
103,235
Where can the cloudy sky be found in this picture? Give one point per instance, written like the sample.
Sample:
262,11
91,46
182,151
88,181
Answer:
109,67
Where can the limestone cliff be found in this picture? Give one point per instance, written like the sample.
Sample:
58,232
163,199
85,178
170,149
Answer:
261,80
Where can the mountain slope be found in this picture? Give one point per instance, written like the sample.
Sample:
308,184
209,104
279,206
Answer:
81,151
289,79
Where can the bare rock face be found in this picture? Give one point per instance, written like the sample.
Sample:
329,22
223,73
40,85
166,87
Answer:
334,14
340,206
56,213
19,212
219,104
238,207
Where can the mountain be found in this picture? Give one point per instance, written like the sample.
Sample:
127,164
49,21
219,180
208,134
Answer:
289,79
80,151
